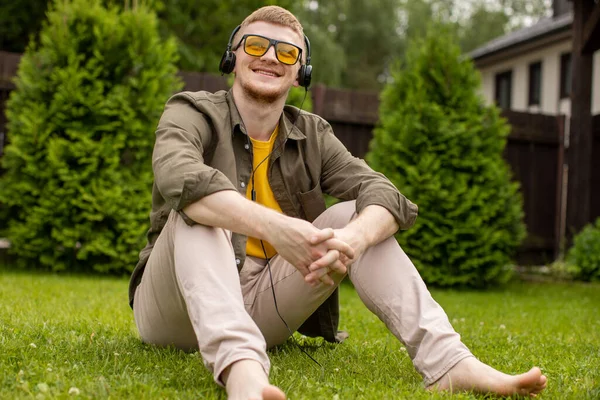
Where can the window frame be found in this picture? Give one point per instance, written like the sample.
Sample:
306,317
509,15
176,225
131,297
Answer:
535,99
566,75
500,76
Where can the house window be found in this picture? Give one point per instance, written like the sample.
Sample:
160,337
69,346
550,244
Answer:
535,84
565,75
503,89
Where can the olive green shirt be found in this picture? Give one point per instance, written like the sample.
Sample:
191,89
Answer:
201,148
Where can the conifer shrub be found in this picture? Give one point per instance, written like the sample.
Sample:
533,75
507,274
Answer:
76,193
298,96
583,257
442,147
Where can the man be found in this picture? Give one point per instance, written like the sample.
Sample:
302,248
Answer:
238,177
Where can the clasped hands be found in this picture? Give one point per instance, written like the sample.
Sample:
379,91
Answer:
315,252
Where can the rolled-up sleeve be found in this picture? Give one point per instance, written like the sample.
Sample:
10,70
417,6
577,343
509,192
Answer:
180,173
349,178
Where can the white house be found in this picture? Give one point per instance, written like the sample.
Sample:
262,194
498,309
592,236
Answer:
530,69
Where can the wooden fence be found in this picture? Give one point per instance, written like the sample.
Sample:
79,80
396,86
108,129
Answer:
535,152
352,115
595,176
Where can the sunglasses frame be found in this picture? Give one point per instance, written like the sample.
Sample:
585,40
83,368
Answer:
272,43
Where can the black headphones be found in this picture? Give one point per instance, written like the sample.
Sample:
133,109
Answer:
228,61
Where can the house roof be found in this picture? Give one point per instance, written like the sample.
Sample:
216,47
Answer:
544,27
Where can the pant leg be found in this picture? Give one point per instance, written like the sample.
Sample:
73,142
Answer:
190,297
389,285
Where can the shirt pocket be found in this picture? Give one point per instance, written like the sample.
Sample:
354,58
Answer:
312,203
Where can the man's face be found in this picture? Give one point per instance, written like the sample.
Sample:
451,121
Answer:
265,78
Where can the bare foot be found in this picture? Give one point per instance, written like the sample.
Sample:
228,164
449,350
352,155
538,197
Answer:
247,380
471,374
272,393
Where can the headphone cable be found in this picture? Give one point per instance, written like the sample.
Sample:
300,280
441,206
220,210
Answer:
253,196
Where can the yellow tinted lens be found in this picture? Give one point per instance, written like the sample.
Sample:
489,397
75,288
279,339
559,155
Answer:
256,45
287,54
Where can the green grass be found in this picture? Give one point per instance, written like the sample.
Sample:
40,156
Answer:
59,332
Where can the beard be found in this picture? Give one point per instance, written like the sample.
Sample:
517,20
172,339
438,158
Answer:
259,91
262,95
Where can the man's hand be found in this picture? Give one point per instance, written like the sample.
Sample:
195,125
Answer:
321,268
301,244
373,225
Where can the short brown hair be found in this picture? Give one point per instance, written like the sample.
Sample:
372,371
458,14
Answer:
275,15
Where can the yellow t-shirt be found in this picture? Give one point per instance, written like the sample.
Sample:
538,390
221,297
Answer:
264,194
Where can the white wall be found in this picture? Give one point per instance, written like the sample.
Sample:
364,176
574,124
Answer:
550,96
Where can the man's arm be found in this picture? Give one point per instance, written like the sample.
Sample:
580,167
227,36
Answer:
297,241
373,225
349,178
180,173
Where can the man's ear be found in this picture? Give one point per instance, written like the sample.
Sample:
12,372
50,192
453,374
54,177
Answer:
297,80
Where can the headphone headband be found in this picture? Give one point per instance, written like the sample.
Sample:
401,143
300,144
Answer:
307,44
230,43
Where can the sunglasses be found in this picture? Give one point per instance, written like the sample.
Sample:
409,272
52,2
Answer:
257,46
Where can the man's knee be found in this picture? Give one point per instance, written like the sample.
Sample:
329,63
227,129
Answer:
336,216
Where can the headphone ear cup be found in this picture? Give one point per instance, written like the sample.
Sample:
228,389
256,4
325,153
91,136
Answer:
227,62
305,75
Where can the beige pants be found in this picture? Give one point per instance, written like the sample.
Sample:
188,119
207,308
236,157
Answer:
191,296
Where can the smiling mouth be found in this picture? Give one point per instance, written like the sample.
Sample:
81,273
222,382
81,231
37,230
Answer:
266,73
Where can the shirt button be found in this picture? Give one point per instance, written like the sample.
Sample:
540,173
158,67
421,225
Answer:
247,146
238,261
243,184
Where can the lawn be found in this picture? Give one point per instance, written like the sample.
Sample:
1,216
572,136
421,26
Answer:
74,334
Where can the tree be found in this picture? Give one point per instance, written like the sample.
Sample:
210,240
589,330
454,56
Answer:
202,28
353,41
483,26
77,186
475,22
18,21
488,20
442,147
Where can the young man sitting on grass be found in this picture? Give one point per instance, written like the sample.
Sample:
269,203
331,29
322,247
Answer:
239,179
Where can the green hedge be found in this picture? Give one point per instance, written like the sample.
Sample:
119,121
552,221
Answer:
442,147
584,256
77,187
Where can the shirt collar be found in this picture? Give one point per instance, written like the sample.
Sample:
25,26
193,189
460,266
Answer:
286,125
234,115
287,128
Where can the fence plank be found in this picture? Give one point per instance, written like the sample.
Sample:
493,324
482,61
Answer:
537,128
349,107
196,81
9,63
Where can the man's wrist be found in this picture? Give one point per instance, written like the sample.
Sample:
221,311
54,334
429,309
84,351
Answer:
355,236
269,224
